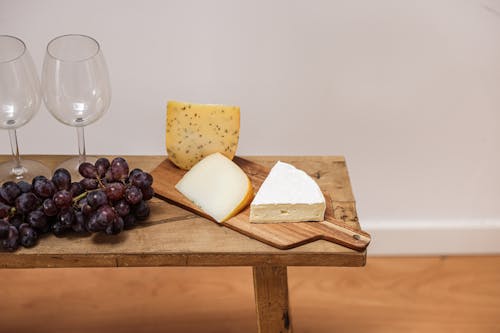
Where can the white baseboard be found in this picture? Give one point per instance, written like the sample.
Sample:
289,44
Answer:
433,237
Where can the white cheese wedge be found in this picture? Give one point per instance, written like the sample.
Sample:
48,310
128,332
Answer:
287,195
218,186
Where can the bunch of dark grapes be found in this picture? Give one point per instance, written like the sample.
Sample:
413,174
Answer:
108,199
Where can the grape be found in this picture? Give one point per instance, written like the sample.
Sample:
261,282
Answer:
141,179
108,177
141,210
100,220
59,229
119,168
37,220
129,221
97,198
115,191
133,172
102,165
24,186
37,178
9,192
122,208
87,170
76,189
105,215
92,225
44,188
118,224
133,195
85,207
4,210
16,220
116,227
50,220
27,235
49,207
27,202
78,223
147,193
62,179
66,217
63,199
4,229
89,183
11,243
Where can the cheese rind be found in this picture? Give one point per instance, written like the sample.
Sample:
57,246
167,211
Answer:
198,130
218,186
287,195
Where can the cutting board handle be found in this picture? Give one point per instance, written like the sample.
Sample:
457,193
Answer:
344,235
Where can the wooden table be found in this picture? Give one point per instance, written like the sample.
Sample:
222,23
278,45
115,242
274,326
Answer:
175,237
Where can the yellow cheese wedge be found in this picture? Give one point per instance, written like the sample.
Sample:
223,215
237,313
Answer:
197,130
218,186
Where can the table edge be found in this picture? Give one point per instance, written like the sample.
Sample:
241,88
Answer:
57,260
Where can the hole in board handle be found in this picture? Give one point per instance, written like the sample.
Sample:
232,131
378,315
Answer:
356,237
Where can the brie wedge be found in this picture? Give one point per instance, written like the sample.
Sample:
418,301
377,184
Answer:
287,195
218,186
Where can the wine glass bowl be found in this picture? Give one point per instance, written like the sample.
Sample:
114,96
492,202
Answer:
19,102
76,87
19,87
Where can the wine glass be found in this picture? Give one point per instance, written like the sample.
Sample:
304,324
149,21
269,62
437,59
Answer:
76,87
19,102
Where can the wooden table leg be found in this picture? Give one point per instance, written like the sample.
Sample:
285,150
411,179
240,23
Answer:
271,299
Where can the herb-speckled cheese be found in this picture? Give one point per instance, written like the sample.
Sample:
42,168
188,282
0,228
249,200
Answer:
195,131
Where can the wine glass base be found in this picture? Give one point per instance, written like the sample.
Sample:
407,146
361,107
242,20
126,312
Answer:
72,165
9,171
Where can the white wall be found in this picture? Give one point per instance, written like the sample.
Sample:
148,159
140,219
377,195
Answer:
408,91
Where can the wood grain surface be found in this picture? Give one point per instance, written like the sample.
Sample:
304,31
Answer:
174,237
429,294
279,235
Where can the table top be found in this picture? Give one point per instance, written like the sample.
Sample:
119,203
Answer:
175,237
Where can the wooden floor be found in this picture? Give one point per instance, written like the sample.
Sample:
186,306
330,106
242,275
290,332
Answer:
436,294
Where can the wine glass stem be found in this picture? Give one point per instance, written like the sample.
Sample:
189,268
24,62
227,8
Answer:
15,149
81,144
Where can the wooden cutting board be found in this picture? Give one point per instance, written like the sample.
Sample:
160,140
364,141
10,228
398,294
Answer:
280,235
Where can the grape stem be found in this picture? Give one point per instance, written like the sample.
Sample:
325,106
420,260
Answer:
12,211
100,182
80,197
84,194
